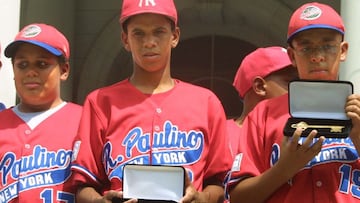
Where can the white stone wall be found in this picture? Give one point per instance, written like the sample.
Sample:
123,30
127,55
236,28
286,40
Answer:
9,26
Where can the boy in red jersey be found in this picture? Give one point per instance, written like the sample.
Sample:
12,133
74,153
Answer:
151,118
263,74
274,168
37,134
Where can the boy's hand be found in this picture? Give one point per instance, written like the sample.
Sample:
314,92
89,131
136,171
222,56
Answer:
294,156
192,195
352,110
113,196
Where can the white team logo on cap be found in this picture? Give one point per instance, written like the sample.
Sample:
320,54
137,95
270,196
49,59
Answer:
146,3
31,31
311,13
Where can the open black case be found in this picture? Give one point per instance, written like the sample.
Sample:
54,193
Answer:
319,105
153,183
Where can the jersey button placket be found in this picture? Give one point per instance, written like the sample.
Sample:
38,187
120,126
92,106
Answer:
27,133
157,127
319,187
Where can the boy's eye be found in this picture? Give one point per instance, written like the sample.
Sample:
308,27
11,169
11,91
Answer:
38,64
138,33
22,65
160,31
42,64
305,49
325,49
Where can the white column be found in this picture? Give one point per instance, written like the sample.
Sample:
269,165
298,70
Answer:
350,69
9,26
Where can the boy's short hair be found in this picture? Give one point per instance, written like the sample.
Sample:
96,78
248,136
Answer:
261,62
42,35
314,15
135,7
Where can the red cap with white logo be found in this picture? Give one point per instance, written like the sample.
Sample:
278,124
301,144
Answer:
314,15
135,7
42,35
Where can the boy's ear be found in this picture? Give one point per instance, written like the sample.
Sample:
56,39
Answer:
290,52
344,46
258,86
65,71
124,40
176,37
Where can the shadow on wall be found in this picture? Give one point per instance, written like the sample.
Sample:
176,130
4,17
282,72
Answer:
212,62
227,94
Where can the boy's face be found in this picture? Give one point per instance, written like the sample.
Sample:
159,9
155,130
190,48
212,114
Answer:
317,54
37,75
150,40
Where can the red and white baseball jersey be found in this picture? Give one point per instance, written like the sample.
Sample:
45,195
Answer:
332,176
120,125
35,163
234,132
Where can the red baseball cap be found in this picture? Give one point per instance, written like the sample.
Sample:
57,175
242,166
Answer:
261,62
42,35
135,7
314,15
